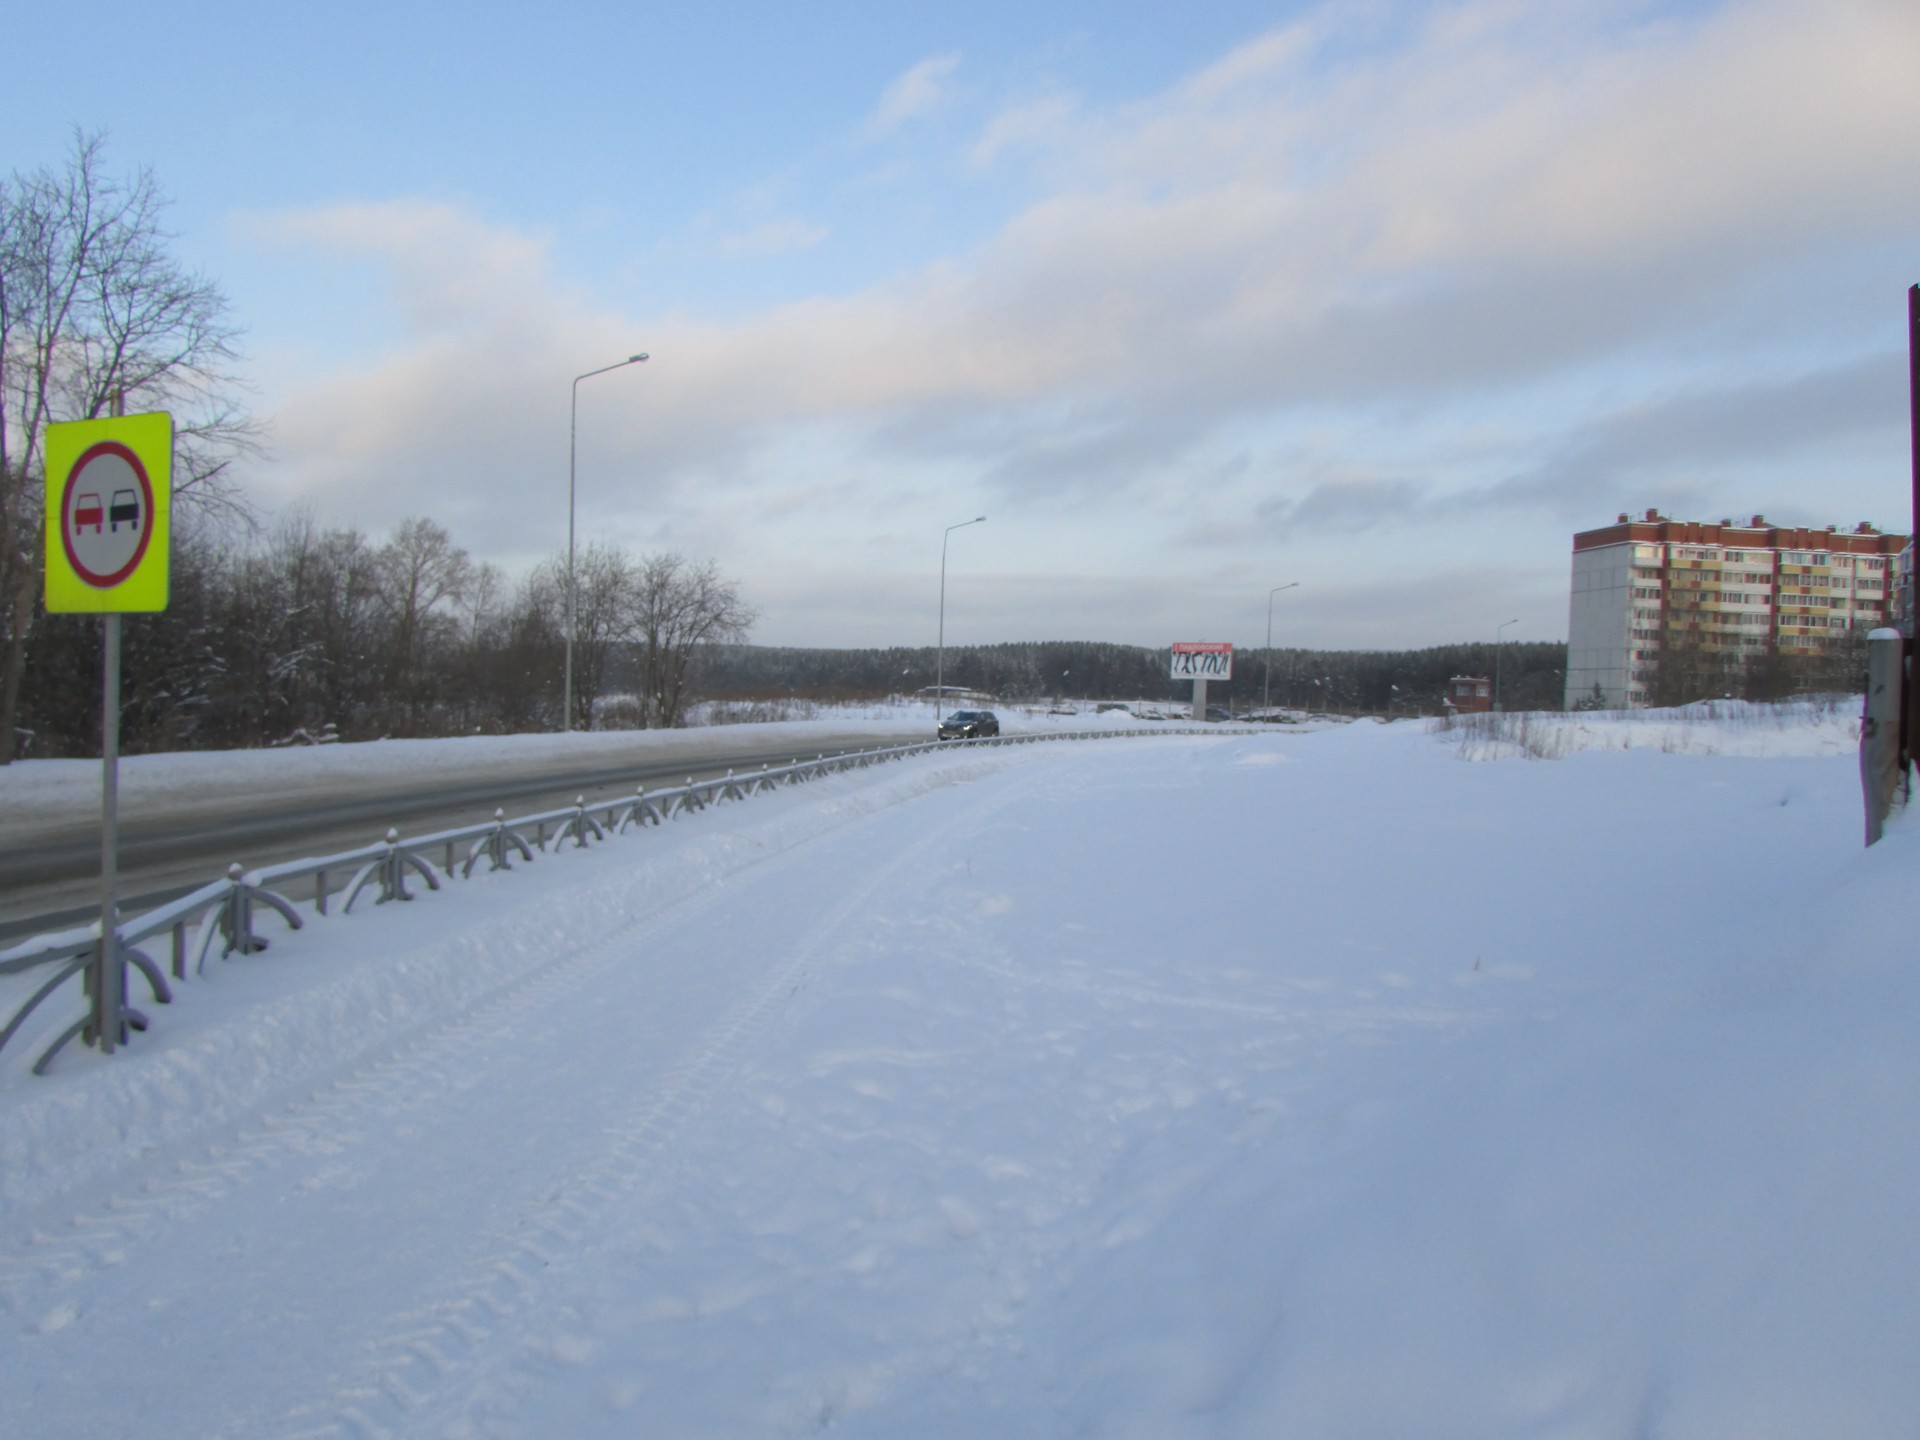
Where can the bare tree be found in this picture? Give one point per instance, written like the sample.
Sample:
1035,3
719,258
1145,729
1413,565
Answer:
606,584
518,662
679,607
94,309
418,570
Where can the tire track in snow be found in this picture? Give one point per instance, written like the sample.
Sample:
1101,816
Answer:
403,1074
1332,1017
423,1353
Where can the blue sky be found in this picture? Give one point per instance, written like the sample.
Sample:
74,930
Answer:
1384,298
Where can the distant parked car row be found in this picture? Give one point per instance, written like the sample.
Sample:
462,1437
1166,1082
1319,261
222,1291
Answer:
969,725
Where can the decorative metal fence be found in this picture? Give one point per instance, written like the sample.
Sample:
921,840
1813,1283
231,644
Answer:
224,911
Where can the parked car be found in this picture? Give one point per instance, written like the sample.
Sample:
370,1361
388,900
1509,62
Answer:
969,725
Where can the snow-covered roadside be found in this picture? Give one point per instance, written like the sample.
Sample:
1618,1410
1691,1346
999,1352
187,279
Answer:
1317,1086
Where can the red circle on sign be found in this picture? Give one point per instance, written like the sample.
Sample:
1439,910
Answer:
67,523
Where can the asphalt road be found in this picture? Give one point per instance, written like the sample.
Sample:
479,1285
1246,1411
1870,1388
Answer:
50,865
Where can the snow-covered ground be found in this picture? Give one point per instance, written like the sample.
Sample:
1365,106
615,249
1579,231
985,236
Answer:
1284,1084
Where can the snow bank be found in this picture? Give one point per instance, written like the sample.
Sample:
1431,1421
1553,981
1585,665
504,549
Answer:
1828,726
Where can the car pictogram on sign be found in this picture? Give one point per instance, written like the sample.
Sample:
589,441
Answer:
126,506
86,511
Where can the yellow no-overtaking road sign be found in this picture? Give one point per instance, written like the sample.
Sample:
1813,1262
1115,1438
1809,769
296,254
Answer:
108,484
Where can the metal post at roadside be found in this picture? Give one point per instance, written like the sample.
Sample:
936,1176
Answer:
1881,769
1909,703
109,976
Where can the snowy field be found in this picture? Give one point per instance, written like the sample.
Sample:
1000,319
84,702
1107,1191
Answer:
1305,1085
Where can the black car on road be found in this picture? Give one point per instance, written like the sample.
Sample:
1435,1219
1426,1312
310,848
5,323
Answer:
969,725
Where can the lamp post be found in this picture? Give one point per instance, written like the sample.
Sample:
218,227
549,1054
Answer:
1496,663
1266,686
573,416
940,653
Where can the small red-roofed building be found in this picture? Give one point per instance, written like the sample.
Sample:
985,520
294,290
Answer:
1469,695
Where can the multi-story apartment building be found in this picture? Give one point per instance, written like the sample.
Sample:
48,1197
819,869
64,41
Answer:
1647,587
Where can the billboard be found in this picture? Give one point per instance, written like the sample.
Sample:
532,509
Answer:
1202,660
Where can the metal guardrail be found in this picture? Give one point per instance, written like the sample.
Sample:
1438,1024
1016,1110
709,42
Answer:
225,909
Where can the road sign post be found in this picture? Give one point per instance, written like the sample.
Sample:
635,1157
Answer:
1201,661
107,507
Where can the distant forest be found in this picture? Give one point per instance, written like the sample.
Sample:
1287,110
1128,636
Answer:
1377,682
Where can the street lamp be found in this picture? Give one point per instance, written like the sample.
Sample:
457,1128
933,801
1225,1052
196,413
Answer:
1496,663
1266,687
573,417
940,660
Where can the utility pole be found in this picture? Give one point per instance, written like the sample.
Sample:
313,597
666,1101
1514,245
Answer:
1497,642
1266,687
940,652
573,426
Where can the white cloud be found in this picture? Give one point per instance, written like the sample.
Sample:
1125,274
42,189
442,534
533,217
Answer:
1029,125
446,264
1515,220
913,94
774,237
